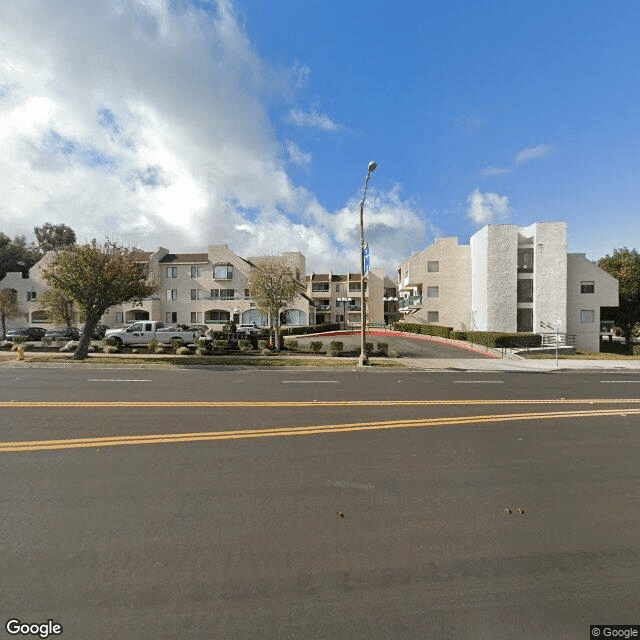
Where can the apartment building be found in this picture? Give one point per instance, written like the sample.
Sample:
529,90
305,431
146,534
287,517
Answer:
338,298
511,279
195,288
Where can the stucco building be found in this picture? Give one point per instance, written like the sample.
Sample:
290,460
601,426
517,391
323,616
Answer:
510,279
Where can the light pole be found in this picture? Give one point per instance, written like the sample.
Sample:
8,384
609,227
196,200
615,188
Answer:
344,309
363,360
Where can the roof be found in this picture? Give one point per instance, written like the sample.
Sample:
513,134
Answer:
185,257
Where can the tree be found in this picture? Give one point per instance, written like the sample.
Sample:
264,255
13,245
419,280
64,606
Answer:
60,308
624,264
16,254
9,307
54,237
98,276
273,283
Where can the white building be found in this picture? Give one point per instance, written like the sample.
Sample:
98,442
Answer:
509,279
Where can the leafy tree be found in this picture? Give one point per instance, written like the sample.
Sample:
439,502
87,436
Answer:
16,254
98,276
273,283
60,308
624,264
54,237
9,307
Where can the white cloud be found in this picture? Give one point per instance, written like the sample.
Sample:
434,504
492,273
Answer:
487,208
296,155
312,119
532,153
149,120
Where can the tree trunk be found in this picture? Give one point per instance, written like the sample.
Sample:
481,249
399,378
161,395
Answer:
277,332
85,340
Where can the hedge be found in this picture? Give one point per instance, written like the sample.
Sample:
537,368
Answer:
424,329
504,340
458,335
313,328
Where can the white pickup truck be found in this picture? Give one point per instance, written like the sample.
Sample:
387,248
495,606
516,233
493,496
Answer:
142,332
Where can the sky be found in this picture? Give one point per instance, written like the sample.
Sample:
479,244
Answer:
183,123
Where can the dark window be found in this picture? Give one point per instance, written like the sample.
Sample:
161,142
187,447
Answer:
525,260
433,266
525,290
525,320
587,286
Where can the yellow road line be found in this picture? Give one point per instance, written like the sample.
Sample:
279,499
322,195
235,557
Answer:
75,443
15,404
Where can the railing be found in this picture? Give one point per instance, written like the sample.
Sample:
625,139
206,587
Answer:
354,307
411,301
549,339
323,307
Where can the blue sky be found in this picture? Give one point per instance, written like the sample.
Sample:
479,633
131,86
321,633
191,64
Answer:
250,122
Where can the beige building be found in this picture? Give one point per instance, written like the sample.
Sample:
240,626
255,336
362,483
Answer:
509,279
195,288
338,298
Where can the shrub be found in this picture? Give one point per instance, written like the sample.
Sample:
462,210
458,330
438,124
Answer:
335,348
424,329
458,335
183,351
504,340
160,349
47,341
315,346
383,348
244,345
263,344
266,351
19,340
176,343
368,348
152,345
392,353
636,349
291,345
220,345
109,342
96,346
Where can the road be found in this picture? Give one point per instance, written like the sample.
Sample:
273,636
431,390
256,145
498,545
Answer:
319,504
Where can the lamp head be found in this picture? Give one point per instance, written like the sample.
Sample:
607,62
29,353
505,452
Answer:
372,166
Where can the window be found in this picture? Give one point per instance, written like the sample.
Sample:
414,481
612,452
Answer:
355,287
31,295
587,315
320,287
525,290
223,272
337,288
524,320
247,294
196,294
525,260
172,294
196,272
433,292
433,316
433,266
119,317
171,316
587,286
223,294
171,272
196,317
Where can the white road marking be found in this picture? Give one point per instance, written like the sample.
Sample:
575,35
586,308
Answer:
310,382
478,381
619,381
114,380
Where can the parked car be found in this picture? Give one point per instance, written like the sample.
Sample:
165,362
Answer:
252,328
32,333
99,331
68,333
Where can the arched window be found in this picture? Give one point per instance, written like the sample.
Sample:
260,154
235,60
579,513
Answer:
295,317
255,315
39,317
216,316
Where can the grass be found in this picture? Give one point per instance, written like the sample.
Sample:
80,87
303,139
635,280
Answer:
580,355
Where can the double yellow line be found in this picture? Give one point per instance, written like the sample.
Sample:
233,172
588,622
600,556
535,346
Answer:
173,438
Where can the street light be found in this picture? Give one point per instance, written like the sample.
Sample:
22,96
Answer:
344,309
363,360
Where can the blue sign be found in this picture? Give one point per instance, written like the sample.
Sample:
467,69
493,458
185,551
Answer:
366,253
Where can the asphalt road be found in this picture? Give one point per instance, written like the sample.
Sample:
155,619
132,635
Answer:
319,504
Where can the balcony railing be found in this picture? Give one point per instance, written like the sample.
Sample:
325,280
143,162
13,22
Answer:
411,301
323,307
354,307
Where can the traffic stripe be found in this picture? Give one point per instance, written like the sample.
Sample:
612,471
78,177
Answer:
172,438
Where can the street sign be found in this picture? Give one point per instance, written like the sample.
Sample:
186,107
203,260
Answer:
365,251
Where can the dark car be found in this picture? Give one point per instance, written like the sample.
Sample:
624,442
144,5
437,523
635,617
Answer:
32,333
68,333
99,331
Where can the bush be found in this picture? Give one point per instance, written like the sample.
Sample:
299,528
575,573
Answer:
368,348
161,349
636,349
315,346
458,335
109,342
263,344
244,345
183,351
504,340
336,347
291,345
152,345
392,353
383,348
220,345
266,351
47,341
176,343
19,340
424,329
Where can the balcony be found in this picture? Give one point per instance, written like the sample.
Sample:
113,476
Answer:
323,307
412,302
354,307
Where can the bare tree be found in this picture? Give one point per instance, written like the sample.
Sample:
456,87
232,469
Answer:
273,283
